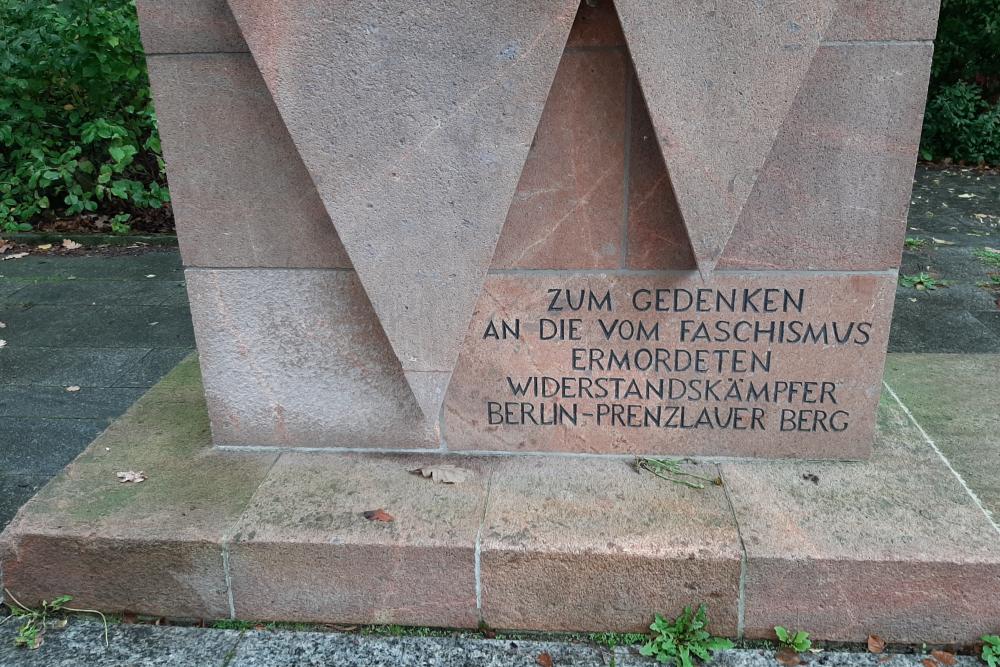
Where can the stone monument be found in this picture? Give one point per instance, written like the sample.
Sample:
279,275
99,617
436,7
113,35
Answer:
459,231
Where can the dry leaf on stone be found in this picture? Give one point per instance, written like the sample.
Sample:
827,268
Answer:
379,515
788,656
942,241
16,255
445,474
73,388
3,343
876,644
929,662
131,476
5,245
70,244
44,246
544,659
3,325
944,657
966,195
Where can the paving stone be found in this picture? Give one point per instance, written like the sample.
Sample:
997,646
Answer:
62,367
9,287
150,368
884,20
954,398
88,292
715,137
316,372
567,209
446,153
81,642
162,265
44,446
925,327
15,490
894,547
97,326
163,536
304,551
57,403
991,319
589,544
240,193
188,26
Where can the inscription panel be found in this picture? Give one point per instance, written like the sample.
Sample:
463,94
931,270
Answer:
774,365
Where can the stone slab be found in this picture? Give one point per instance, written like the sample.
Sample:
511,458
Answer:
628,380
316,371
62,367
157,265
147,370
241,195
188,26
151,548
921,326
954,398
853,551
90,292
567,209
57,403
44,446
590,544
304,550
98,326
15,490
896,547
901,20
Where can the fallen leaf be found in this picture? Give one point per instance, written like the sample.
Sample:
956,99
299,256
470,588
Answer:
70,244
788,657
992,251
966,195
942,241
379,515
5,245
131,476
151,275
944,657
44,246
3,325
876,644
929,662
445,474
3,343
16,255
544,659
73,388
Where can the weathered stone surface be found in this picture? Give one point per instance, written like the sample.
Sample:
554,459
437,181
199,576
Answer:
584,544
884,20
678,350
153,547
596,24
718,81
297,358
567,210
836,188
416,169
304,550
953,397
241,195
895,547
656,235
188,26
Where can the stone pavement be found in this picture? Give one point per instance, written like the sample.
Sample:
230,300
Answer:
80,643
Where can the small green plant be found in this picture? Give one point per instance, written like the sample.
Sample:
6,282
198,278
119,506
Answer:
34,622
670,470
922,281
988,256
991,650
798,641
612,640
233,624
119,224
915,243
683,638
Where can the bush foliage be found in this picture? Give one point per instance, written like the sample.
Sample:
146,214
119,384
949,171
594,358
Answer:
962,121
77,130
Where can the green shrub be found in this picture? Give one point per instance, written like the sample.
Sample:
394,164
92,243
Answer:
962,121
77,129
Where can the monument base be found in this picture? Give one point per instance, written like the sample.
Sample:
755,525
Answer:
894,546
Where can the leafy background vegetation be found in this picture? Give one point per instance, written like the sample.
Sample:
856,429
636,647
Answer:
962,121
78,134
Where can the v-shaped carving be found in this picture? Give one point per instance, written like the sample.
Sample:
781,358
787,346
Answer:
719,78
414,120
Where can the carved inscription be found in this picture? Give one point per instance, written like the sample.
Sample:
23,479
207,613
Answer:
636,364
